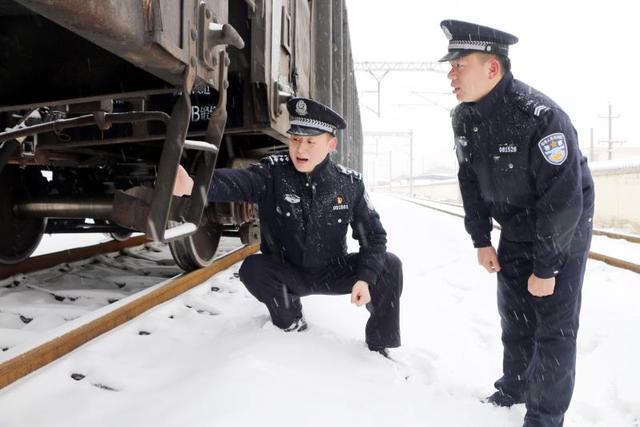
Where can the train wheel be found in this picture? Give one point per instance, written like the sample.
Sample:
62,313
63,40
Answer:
20,236
197,250
120,236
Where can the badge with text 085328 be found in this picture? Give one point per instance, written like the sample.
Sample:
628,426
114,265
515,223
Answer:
554,148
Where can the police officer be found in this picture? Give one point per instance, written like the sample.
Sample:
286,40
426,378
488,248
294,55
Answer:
520,164
305,203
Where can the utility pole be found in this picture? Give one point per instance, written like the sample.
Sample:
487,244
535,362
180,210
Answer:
390,168
379,81
411,163
378,135
379,71
610,141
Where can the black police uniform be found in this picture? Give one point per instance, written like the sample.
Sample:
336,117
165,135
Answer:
304,219
520,164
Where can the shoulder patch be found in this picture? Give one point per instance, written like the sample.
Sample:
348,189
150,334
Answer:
532,101
532,106
277,159
540,109
554,148
349,172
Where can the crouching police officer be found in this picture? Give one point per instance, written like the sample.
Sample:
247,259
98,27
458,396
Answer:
305,203
520,164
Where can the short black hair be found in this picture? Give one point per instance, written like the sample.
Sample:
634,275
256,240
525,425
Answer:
505,63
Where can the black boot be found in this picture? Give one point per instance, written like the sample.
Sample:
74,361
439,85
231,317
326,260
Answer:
298,325
382,350
502,399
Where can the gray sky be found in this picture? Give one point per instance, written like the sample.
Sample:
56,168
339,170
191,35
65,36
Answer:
581,54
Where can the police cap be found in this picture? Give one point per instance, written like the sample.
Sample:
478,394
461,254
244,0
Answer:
465,38
308,117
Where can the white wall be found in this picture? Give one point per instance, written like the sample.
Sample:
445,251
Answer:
618,198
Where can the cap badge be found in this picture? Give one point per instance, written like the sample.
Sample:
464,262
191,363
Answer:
301,108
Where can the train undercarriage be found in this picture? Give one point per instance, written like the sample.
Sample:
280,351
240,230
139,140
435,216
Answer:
102,100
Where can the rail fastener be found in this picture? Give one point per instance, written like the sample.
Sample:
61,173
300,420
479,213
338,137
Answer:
51,260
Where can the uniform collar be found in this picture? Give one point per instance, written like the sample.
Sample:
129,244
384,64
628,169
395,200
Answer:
487,105
319,170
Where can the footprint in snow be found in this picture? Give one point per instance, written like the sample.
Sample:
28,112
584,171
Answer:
79,377
203,309
414,365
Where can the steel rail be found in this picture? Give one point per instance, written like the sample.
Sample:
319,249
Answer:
614,235
596,231
33,359
50,260
612,261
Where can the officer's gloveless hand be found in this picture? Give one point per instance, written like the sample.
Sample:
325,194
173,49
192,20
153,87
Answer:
360,293
488,258
541,287
183,184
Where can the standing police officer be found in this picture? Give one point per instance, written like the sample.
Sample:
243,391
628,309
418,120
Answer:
305,203
520,164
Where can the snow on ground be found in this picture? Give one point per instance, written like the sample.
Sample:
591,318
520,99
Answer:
59,242
41,306
618,248
213,358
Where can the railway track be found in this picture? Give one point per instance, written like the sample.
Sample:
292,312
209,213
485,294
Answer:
125,279
455,209
135,276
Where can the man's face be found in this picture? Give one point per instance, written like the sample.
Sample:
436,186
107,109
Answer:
472,77
307,152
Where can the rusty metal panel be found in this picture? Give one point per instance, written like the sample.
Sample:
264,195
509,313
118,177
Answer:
302,48
269,68
155,35
337,71
116,26
321,42
259,47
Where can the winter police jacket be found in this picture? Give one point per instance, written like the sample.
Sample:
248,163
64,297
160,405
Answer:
520,164
304,217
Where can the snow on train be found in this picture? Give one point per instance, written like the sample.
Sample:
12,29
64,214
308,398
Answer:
101,100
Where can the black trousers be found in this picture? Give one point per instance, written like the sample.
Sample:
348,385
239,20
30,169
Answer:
539,333
279,285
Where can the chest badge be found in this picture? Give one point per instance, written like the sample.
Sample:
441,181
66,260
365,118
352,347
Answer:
554,148
340,204
462,141
508,148
292,198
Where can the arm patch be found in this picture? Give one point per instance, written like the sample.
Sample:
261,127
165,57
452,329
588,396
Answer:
554,148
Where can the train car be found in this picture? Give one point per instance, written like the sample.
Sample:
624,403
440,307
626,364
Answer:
101,100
